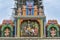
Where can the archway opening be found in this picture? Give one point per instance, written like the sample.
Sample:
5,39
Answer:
7,31
30,28
52,31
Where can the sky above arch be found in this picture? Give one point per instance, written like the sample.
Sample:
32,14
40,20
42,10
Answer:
51,9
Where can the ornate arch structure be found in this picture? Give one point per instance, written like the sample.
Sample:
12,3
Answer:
30,26
52,26
4,28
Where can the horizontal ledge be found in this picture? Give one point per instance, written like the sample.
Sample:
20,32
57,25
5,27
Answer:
29,16
33,37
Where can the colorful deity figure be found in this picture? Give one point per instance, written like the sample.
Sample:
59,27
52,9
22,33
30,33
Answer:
53,32
35,31
7,32
25,31
19,11
29,7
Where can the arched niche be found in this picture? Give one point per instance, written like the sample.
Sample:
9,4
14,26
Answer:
30,28
50,32
7,31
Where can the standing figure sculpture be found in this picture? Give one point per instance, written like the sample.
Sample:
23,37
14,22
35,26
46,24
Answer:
7,32
29,7
53,32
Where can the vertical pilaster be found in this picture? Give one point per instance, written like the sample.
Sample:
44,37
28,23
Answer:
18,27
41,27
45,27
15,27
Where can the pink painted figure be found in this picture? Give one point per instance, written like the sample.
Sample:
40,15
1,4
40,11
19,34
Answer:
53,32
35,31
7,31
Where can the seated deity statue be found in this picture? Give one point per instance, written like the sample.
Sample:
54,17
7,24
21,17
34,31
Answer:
53,32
